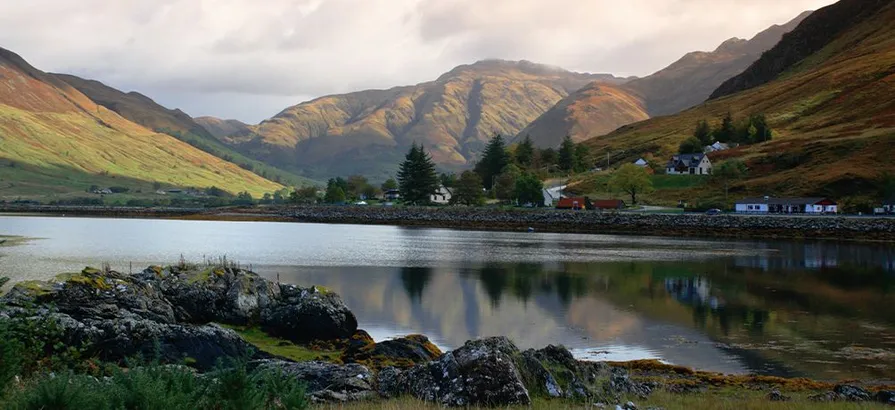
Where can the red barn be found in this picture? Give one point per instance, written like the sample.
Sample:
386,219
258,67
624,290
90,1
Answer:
581,202
609,204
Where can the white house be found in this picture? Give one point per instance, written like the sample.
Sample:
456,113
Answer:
769,205
717,146
548,198
689,164
442,196
642,163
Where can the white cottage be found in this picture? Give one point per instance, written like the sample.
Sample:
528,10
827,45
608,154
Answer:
442,196
769,205
689,164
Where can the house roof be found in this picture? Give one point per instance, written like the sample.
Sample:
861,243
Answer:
686,160
641,162
608,203
782,201
568,203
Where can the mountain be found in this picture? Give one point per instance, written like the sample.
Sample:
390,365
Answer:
832,109
221,129
368,132
685,83
56,140
144,111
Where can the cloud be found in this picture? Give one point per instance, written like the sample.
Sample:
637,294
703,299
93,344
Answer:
189,53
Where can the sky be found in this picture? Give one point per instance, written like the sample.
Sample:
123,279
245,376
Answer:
250,59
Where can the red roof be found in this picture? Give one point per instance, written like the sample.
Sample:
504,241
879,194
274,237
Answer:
609,204
572,203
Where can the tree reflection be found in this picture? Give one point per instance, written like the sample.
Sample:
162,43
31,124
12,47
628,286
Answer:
415,280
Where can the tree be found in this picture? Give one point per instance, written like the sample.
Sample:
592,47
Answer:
525,153
703,133
566,159
691,146
631,179
726,132
244,198
469,189
493,161
417,179
334,194
370,191
506,183
727,171
356,185
278,197
339,182
529,190
448,180
266,198
306,195
389,185
548,157
759,130
583,160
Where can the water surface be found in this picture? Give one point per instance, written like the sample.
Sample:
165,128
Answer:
817,309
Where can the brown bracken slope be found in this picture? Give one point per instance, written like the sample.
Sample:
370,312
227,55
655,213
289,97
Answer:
221,129
369,131
833,111
600,109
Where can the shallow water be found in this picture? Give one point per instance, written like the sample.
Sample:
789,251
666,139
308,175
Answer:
817,309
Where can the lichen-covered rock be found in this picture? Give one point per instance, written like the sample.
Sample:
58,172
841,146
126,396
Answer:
851,393
306,314
886,397
327,382
775,395
390,381
480,373
401,352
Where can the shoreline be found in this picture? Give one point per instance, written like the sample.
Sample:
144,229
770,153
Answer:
727,226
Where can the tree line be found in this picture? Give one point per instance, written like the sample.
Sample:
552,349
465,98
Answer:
753,129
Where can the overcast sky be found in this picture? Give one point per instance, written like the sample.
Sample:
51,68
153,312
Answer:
249,59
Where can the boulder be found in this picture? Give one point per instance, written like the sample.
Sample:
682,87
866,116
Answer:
307,314
886,397
327,382
851,393
775,395
402,352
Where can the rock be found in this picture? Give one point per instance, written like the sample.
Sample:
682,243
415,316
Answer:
620,383
327,382
306,314
886,397
480,373
168,311
390,381
826,397
402,352
537,377
629,406
852,393
775,395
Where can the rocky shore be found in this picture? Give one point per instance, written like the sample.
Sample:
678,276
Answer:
191,315
549,220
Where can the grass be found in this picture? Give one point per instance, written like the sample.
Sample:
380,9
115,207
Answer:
66,152
719,399
282,347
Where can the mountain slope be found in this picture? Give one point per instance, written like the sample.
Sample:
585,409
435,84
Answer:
833,112
221,129
51,132
144,111
368,131
683,84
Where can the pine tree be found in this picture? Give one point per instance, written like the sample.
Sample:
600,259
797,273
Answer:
727,131
525,153
417,179
494,159
469,189
566,161
703,132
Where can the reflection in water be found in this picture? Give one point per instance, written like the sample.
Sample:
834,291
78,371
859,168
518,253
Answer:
818,309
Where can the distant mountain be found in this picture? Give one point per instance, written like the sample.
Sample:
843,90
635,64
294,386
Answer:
368,132
832,109
221,129
683,84
143,110
56,140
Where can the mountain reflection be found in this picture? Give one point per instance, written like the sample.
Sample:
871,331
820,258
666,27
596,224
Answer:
793,310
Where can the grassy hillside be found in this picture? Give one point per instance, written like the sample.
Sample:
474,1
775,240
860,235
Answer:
143,110
52,130
599,109
453,116
833,114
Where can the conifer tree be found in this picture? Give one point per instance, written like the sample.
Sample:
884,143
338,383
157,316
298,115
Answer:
417,179
525,153
493,161
566,160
